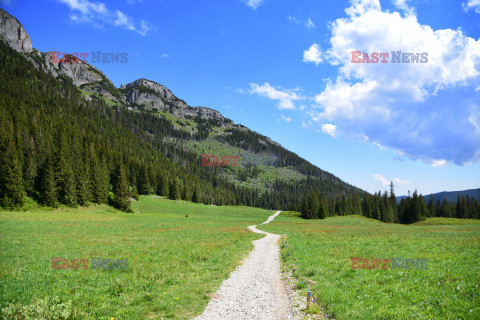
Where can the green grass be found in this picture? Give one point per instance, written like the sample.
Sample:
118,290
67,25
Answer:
448,289
266,174
174,262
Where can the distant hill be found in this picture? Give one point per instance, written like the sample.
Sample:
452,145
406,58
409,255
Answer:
450,195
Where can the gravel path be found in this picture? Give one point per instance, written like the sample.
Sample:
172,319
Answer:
255,289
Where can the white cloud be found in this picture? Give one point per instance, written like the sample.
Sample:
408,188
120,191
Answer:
309,24
164,55
294,19
423,110
386,182
472,4
402,5
288,119
438,163
329,129
313,54
285,98
254,4
97,14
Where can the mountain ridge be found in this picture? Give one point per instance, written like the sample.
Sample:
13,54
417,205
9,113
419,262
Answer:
451,196
188,129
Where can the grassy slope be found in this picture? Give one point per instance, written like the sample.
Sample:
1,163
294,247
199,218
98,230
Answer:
174,262
266,174
448,289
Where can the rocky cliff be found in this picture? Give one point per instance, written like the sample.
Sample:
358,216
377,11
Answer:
142,94
13,33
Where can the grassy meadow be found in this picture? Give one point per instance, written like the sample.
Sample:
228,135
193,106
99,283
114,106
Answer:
174,262
322,250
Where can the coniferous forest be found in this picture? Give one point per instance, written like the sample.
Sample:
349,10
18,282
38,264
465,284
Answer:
60,149
385,207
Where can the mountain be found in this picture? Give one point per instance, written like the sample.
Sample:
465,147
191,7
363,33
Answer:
41,91
451,196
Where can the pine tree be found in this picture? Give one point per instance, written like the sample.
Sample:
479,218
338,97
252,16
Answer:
30,167
393,202
48,184
322,211
311,206
100,183
82,177
65,178
184,194
12,193
162,188
387,215
461,207
195,196
121,198
173,189
446,210
143,181
431,207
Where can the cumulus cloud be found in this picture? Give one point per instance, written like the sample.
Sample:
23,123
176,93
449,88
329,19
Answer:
402,5
254,4
425,111
285,98
329,128
288,119
472,4
97,14
313,54
386,182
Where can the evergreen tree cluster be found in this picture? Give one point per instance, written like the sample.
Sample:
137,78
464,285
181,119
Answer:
59,148
384,207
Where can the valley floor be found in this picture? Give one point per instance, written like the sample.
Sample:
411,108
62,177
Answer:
168,259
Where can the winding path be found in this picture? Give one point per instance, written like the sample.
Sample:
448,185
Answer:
255,289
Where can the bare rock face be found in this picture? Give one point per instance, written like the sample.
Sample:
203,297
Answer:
151,95
84,75
13,33
79,72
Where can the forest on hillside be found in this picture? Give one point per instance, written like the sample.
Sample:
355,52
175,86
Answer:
60,149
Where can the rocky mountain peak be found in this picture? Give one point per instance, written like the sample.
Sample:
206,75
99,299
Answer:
13,33
162,90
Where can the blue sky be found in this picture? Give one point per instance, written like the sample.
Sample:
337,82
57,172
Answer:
283,68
